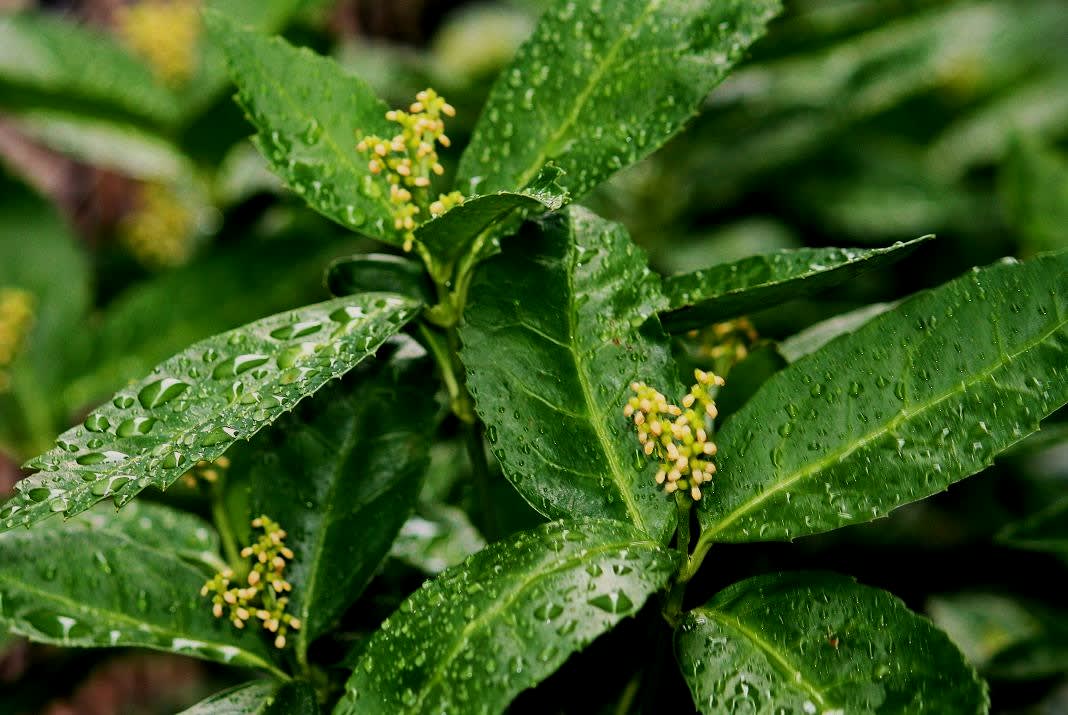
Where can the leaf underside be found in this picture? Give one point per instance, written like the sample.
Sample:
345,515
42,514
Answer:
917,398
199,402
820,643
728,290
512,614
260,697
550,361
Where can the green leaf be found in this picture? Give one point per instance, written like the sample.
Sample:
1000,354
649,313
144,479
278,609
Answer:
260,697
820,643
512,614
105,143
151,321
594,90
370,272
40,255
309,115
475,226
436,537
727,290
1046,530
199,402
550,361
816,336
341,475
914,400
982,624
45,60
95,582
1034,191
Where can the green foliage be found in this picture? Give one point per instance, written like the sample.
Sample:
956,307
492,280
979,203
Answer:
812,642
378,468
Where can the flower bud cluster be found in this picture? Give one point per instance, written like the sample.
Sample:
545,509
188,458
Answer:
161,229
16,319
676,435
165,33
410,158
262,597
205,472
725,344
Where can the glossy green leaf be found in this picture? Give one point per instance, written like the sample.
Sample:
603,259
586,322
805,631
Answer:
550,361
595,89
436,537
820,643
1046,530
475,226
97,582
57,61
728,290
371,272
309,115
916,399
481,633
982,624
199,402
260,697
341,475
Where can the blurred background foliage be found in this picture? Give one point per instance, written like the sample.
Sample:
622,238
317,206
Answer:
135,218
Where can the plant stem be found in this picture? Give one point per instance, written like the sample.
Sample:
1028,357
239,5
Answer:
476,454
673,605
226,532
630,692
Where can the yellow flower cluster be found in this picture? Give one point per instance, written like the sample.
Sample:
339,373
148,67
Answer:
410,158
262,598
677,435
159,231
165,34
16,318
727,344
206,472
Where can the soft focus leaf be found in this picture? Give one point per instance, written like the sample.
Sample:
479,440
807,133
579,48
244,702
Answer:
816,336
56,61
594,90
199,402
917,398
371,272
512,613
309,116
1034,191
436,537
260,697
728,290
820,643
97,582
340,474
1046,530
550,361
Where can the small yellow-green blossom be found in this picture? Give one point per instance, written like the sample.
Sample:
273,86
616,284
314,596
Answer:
16,319
165,34
206,472
727,343
676,435
160,231
261,598
409,159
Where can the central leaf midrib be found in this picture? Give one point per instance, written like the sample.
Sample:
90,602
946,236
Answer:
508,598
903,416
615,469
607,60
794,676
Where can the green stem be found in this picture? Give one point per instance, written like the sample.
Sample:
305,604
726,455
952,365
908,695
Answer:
476,453
673,606
226,532
630,692
693,564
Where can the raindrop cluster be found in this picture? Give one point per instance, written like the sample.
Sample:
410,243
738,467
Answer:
16,319
205,472
677,435
262,598
165,33
160,230
410,158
